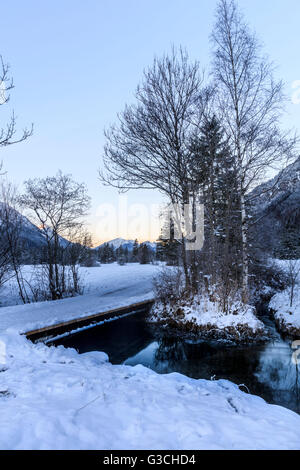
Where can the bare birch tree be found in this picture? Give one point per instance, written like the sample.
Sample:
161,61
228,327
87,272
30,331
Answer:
5,265
250,103
293,271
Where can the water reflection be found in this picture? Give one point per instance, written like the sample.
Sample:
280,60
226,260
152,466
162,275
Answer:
280,373
120,339
265,369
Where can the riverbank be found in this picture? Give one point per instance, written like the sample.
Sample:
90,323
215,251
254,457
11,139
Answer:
201,317
265,368
287,316
285,305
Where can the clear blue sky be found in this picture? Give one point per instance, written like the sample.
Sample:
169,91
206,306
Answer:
76,63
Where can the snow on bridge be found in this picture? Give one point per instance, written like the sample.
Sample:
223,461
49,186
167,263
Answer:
108,287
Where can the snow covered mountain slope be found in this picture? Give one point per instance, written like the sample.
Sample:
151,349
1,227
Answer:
279,188
31,235
117,242
275,206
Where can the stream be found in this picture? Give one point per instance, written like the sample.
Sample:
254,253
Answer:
263,369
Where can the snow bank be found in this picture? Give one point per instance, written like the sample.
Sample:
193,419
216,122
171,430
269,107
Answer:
200,315
54,398
287,317
109,286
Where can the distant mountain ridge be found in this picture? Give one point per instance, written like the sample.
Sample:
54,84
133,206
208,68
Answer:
33,237
121,242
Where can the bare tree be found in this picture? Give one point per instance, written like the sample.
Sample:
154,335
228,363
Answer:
8,133
11,223
79,252
5,265
293,275
250,103
57,205
149,148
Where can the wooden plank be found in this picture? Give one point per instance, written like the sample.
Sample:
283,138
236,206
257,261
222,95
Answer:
117,311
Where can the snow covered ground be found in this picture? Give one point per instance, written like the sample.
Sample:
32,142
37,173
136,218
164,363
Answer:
112,286
290,316
287,316
54,398
202,315
107,287
97,280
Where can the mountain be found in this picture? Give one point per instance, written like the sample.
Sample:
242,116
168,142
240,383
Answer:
279,188
31,236
116,243
275,207
63,241
121,242
151,245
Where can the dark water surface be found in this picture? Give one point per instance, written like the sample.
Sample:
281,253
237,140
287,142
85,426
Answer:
265,369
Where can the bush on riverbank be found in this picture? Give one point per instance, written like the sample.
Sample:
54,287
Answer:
200,316
287,317
205,314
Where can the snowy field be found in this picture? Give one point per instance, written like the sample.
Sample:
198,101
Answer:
107,287
97,280
54,398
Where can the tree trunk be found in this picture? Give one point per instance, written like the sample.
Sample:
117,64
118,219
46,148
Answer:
245,268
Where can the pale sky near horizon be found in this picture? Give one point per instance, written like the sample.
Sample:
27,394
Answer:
75,64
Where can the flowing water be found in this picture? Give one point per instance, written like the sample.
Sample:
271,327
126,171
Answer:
265,369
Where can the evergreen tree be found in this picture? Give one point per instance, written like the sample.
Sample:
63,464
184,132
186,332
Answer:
168,249
106,254
215,175
126,254
120,256
144,255
135,251
289,246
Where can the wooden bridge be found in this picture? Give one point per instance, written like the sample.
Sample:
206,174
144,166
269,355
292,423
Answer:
50,333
